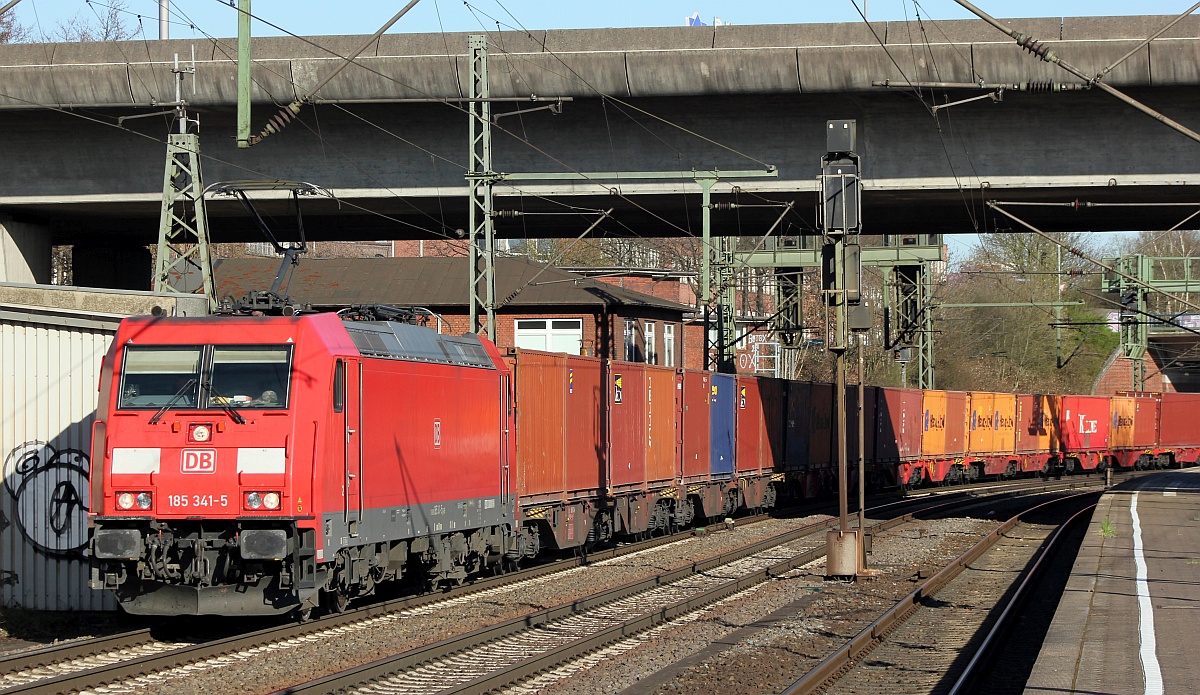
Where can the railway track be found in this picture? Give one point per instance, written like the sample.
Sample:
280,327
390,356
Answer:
84,663
491,658
88,663
936,638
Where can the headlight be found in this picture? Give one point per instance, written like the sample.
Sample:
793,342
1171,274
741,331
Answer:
254,500
271,500
201,433
125,500
144,500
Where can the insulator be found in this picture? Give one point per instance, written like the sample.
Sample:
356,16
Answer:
1034,46
1039,87
506,213
724,206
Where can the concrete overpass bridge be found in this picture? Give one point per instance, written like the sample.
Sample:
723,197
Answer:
383,137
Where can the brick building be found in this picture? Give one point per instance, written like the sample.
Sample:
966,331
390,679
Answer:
542,308
1172,365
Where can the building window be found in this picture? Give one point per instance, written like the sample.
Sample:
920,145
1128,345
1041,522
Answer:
651,348
550,335
669,344
631,351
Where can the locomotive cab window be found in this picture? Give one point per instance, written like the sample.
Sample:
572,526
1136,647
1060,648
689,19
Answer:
153,377
339,386
250,377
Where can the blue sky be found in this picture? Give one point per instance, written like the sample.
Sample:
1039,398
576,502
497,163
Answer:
202,18
321,17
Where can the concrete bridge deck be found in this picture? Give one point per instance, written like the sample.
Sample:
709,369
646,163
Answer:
720,97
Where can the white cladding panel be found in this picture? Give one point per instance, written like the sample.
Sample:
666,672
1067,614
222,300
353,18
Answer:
48,379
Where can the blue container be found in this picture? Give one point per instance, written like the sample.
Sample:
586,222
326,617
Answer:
724,424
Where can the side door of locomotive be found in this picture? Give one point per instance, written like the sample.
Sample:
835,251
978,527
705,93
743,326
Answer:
348,418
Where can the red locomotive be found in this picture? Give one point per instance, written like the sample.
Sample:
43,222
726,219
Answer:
259,465
265,465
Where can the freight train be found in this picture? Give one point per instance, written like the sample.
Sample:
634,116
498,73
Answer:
268,465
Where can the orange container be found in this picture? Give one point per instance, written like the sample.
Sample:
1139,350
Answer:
981,425
1123,411
662,426
1037,424
956,424
933,439
1005,440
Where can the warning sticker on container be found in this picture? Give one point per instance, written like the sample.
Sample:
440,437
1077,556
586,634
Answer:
714,393
570,380
742,398
617,388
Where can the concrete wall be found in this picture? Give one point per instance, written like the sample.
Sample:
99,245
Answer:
24,252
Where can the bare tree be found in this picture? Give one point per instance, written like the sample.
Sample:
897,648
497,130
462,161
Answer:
107,23
12,31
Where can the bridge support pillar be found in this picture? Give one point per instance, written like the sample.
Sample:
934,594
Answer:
113,266
24,252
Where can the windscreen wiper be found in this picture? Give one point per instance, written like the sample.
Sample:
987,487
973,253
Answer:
178,394
225,403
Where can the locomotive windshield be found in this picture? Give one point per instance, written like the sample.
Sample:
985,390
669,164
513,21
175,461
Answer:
217,377
250,377
155,376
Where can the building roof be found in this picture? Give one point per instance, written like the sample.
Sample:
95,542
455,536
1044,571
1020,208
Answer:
428,282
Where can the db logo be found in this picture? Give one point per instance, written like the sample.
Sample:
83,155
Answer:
199,461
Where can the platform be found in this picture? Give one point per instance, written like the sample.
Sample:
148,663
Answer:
1127,622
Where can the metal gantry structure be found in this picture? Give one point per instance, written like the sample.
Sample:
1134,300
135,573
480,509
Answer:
481,179
717,271
183,264
907,298
1133,279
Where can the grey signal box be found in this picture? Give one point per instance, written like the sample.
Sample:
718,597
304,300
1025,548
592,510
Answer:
841,136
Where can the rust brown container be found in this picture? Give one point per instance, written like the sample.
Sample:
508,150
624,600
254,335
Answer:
751,434
1145,420
662,427
695,446
799,395
822,450
773,393
584,427
1178,419
898,424
626,425
559,402
541,420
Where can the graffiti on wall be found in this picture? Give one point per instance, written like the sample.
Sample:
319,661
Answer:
49,490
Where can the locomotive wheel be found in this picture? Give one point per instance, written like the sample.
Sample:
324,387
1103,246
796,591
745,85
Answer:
334,601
